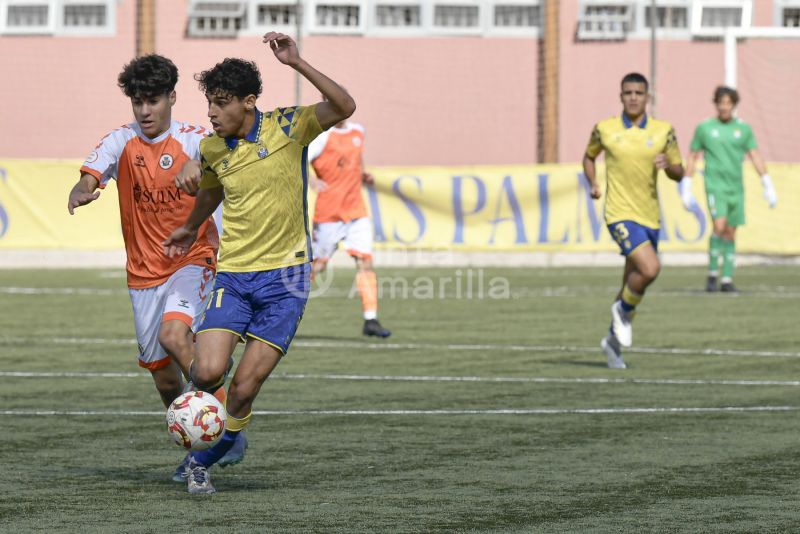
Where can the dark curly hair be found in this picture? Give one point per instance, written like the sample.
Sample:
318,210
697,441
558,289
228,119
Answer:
233,77
147,76
722,91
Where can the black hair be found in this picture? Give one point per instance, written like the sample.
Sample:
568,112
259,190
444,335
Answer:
233,77
148,76
635,77
723,90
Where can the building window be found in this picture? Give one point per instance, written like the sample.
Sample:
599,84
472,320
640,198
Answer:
456,16
721,17
791,17
517,15
605,20
85,15
668,17
216,19
337,16
398,16
276,14
28,16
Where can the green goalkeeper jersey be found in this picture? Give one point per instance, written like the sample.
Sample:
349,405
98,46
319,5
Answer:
725,144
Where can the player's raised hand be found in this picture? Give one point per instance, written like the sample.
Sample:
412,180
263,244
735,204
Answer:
188,178
283,46
179,242
80,198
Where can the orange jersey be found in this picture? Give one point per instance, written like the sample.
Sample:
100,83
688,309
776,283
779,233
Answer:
150,205
336,157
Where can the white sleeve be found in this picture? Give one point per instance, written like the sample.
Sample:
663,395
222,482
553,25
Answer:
318,145
103,161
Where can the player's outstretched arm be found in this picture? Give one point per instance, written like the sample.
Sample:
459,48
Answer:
181,239
590,172
83,192
339,104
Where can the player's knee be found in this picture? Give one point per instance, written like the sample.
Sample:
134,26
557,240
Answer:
206,375
650,270
364,265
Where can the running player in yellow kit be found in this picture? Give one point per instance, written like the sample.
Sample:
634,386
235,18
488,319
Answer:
255,164
637,147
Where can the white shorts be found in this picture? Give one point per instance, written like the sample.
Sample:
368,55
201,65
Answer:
182,297
355,236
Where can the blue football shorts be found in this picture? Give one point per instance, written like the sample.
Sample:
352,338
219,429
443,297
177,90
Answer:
263,305
630,235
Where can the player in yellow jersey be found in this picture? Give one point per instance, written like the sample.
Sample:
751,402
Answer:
637,147
255,164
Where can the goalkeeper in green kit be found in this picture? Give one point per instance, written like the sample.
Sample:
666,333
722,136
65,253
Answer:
724,140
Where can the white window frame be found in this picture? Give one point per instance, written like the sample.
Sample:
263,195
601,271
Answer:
642,31
310,16
222,34
508,31
480,29
779,6
109,29
254,28
396,31
697,16
634,10
49,29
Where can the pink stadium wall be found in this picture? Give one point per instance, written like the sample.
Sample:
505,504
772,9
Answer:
431,101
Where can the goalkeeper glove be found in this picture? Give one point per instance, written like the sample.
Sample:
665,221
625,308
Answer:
685,191
770,195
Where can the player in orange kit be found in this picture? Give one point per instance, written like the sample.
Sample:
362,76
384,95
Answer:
168,295
340,214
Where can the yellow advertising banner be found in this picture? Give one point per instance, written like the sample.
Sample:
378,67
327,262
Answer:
494,208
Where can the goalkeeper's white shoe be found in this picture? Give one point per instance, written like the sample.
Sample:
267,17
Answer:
621,324
613,351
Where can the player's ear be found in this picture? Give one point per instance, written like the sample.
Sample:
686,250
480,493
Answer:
250,102
173,96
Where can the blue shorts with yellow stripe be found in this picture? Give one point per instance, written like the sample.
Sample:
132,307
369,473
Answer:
630,235
263,305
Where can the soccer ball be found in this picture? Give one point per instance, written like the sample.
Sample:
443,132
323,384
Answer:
196,420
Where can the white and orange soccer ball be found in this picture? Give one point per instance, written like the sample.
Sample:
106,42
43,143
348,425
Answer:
196,420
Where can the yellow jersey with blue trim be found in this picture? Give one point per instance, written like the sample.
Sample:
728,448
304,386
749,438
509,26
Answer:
631,174
265,181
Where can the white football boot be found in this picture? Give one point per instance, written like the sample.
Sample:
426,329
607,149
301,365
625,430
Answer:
621,324
610,346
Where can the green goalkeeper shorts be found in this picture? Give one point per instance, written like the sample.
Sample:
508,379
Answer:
726,204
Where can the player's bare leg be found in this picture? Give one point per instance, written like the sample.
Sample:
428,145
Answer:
168,381
367,283
641,269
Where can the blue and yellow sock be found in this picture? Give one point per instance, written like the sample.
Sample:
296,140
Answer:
213,455
630,299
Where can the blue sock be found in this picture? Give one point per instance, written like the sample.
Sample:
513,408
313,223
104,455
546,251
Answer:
211,456
627,308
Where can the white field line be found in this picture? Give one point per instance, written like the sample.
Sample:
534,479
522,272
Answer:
434,346
414,378
517,293
504,411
